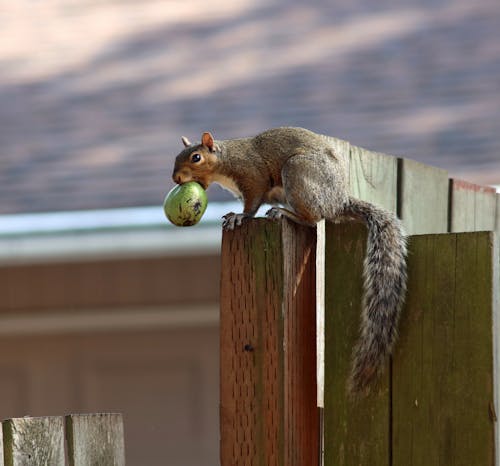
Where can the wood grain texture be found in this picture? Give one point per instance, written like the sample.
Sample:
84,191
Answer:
110,283
1,445
95,439
36,441
472,207
496,333
497,222
423,198
373,177
268,361
357,432
443,362
299,293
342,148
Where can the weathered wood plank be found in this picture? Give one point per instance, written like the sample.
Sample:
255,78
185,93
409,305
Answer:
357,432
268,359
1,445
342,148
95,439
473,207
251,429
497,224
496,334
301,420
423,197
373,177
34,441
443,363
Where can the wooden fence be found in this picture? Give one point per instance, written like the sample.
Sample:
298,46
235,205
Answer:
284,359
77,440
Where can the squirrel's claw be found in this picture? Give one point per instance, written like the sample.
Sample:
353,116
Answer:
274,213
232,220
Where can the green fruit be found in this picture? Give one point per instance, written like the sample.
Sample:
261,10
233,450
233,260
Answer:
185,204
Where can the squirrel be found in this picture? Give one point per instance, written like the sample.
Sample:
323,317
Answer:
302,171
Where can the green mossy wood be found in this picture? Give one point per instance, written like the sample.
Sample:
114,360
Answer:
356,433
443,363
435,404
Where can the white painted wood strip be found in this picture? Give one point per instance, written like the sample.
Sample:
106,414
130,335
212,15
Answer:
320,313
373,177
473,207
423,198
34,441
95,439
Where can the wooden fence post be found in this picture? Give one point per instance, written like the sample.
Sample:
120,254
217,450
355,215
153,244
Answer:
268,406
95,439
438,404
33,441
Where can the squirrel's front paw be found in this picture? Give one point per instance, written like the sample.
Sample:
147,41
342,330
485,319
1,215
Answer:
274,213
232,220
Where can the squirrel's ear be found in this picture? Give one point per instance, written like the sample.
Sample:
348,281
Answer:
208,141
185,141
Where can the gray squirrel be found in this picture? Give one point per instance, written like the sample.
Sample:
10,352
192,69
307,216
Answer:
302,171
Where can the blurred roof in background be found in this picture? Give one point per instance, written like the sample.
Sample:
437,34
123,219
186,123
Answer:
94,95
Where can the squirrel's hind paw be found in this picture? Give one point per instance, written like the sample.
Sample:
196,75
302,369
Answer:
231,220
274,213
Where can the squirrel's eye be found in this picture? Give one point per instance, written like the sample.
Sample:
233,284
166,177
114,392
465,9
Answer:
195,158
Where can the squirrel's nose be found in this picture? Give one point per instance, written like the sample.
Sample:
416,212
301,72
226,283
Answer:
177,178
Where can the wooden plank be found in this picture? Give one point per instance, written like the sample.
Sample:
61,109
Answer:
34,441
357,432
299,293
442,366
251,285
342,148
496,333
268,359
472,207
151,281
373,177
1,445
497,224
422,198
320,313
95,439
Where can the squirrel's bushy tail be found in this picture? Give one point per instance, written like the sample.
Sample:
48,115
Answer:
384,291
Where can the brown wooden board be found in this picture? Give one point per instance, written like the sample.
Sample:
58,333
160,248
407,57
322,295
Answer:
95,439
442,406
357,432
110,283
268,362
472,207
34,441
